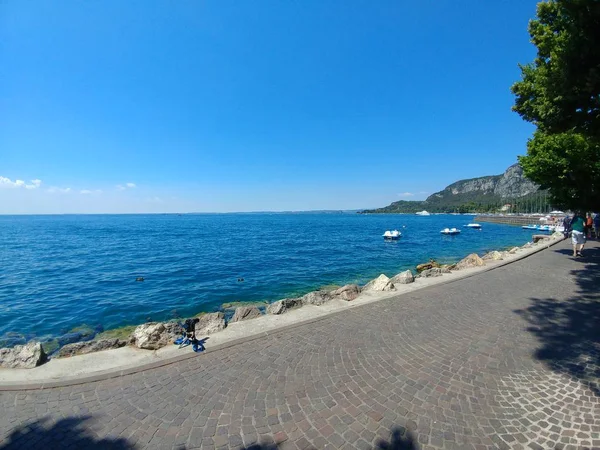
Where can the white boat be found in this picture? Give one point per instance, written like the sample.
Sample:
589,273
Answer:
392,235
548,228
473,225
423,213
450,231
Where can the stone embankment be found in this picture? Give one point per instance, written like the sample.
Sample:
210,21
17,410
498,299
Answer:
508,220
155,335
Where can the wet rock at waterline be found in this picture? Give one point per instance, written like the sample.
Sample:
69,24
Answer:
430,265
25,356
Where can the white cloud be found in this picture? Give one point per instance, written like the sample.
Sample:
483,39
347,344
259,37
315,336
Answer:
423,192
122,187
54,190
88,192
8,183
406,194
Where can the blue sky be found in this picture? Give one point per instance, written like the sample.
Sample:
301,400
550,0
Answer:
254,105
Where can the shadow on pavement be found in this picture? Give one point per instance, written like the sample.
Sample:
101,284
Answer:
63,434
569,331
400,440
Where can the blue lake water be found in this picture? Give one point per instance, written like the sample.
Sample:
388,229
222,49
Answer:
58,272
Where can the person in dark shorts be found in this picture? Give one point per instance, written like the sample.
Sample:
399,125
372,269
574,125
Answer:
566,226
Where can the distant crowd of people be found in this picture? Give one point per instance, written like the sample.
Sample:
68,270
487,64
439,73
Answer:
581,227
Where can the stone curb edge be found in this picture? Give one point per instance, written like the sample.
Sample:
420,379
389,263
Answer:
116,373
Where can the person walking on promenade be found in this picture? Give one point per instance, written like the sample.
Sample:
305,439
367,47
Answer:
566,226
589,225
578,233
597,224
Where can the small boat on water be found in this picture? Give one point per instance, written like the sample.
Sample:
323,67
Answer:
474,225
450,231
548,228
423,213
393,235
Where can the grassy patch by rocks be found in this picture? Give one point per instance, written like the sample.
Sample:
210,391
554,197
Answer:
120,333
233,305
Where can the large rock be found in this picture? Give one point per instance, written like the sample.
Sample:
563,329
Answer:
381,283
245,313
558,235
154,335
513,250
81,348
316,298
425,266
25,356
473,260
281,306
405,277
434,272
210,323
493,256
348,292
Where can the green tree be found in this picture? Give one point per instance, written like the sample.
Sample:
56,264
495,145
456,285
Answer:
560,94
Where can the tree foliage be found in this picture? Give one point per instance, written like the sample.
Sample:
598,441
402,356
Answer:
560,93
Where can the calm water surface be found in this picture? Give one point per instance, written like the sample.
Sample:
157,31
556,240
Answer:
58,272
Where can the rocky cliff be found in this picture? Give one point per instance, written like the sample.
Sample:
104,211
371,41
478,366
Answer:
512,183
483,193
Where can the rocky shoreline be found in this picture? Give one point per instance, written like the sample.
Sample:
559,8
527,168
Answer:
156,335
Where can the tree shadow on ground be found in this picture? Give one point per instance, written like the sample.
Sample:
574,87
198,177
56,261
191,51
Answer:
68,433
569,331
400,439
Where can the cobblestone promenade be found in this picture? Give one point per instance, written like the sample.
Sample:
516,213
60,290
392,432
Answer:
504,359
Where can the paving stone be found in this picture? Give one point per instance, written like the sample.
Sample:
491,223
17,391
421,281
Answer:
506,359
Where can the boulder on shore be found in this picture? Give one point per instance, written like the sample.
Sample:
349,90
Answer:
25,356
81,348
381,283
281,306
433,272
245,313
493,256
430,265
473,260
316,298
405,277
211,323
513,250
558,235
348,292
154,335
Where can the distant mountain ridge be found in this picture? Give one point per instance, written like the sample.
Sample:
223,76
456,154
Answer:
474,194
